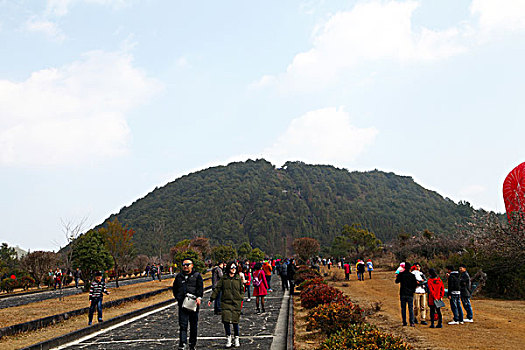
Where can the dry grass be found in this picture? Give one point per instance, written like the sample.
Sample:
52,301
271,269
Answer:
498,324
45,308
303,339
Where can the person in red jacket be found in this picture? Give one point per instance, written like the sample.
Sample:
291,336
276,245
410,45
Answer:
436,291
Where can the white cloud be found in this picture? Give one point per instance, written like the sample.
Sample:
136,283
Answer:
499,15
72,113
324,136
370,32
48,28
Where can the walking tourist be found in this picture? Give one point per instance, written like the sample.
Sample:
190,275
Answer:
232,288
454,295
96,290
420,296
369,267
216,275
189,284
465,288
407,288
260,287
436,292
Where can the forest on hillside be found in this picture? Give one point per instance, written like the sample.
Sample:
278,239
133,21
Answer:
268,207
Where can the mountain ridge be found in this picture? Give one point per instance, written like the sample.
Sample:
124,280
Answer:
268,207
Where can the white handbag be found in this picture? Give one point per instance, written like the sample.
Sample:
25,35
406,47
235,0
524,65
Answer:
190,302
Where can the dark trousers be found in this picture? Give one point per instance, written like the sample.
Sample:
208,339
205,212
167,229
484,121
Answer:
217,303
407,301
228,330
347,276
95,303
433,310
292,286
284,282
248,289
269,280
186,317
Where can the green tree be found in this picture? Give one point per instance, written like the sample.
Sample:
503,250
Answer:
306,247
91,255
244,250
223,253
118,240
359,240
256,255
198,264
8,258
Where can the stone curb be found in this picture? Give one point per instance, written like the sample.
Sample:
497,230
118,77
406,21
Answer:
290,330
50,320
69,337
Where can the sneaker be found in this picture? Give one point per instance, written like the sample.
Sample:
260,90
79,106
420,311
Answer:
439,326
461,322
453,322
412,325
236,342
89,323
404,324
468,320
270,290
424,323
415,321
248,299
228,341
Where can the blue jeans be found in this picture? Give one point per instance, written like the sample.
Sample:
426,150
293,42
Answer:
95,303
467,306
455,307
186,317
407,301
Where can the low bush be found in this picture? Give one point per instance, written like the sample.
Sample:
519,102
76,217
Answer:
308,283
332,317
7,285
316,294
305,273
363,336
26,282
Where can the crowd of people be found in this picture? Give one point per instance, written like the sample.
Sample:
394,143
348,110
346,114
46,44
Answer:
417,293
231,285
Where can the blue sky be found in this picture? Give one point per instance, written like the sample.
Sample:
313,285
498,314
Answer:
101,101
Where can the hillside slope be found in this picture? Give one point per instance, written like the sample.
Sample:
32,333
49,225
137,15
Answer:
254,202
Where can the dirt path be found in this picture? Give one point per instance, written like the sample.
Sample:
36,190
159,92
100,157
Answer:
498,324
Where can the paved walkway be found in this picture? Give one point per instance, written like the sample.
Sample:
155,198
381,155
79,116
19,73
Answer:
17,300
159,329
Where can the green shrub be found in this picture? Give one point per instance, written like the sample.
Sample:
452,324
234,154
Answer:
363,336
332,317
7,285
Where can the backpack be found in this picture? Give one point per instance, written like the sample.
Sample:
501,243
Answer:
256,281
284,269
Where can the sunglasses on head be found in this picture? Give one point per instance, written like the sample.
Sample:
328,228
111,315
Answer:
186,264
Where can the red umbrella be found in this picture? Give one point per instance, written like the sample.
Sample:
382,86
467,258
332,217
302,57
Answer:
514,191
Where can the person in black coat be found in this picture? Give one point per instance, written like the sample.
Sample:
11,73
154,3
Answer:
290,274
407,288
188,282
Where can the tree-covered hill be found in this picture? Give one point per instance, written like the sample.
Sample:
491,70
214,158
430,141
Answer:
254,202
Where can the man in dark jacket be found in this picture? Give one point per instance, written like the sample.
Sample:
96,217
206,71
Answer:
290,274
407,288
465,289
188,282
216,275
454,295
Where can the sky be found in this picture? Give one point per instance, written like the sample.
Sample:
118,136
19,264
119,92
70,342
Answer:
102,101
